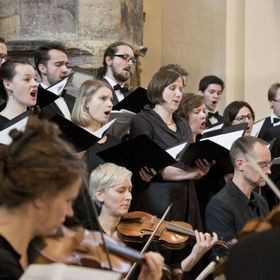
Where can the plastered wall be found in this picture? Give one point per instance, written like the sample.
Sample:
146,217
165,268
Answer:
235,39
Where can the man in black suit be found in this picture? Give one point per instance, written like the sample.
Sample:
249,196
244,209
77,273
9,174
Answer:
229,210
51,62
117,68
212,87
273,96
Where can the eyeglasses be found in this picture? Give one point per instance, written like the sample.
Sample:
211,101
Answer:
126,57
263,164
243,118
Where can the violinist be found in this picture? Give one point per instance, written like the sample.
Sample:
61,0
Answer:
237,202
18,87
110,187
40,177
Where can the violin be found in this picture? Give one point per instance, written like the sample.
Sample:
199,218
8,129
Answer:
84,248
137,226
252,226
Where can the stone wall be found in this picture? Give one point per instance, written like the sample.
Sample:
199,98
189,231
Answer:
87,27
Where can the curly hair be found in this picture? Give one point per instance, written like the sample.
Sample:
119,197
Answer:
37,162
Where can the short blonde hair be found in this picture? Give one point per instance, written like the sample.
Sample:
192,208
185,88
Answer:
106,176
80,114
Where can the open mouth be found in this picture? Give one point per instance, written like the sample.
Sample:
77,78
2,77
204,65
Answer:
107,113
203,125
33,93
127,69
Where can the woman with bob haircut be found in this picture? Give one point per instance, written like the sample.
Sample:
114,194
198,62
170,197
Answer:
239,112
193,110
173,183
110,187
40,177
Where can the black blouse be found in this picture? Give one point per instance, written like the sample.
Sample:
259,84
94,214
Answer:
10,267
3,121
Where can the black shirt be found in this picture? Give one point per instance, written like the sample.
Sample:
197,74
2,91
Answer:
229,210
10,267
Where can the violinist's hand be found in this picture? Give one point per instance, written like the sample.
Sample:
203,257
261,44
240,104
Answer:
204,242
146,174
152,267
204,165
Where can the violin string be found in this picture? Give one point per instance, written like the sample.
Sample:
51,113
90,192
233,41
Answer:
191,233
149,240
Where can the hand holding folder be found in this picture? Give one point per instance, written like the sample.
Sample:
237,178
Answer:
215,147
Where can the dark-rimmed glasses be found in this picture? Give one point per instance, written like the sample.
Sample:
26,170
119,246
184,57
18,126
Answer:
243,118
126,57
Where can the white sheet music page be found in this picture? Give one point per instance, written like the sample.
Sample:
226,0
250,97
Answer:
176,150
275,161
102,130
226,140
59,87
216,127
58,271
257,127
4,134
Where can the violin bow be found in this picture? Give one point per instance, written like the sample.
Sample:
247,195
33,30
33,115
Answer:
211,266
149,240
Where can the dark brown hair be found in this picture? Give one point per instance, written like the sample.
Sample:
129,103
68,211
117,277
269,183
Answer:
208,80
272,91
159,82
189,102
110,51
232,110
7,72
37,162
41,55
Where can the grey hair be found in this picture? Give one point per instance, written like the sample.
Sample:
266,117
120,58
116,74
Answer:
106,176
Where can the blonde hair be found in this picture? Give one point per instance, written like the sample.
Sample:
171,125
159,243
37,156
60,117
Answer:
80,114
106,176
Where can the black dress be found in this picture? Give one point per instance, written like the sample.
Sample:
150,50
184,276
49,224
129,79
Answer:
156,196
10,267
3,121
92,159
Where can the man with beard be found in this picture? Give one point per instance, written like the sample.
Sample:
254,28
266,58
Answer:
229,210
51,62
117,68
